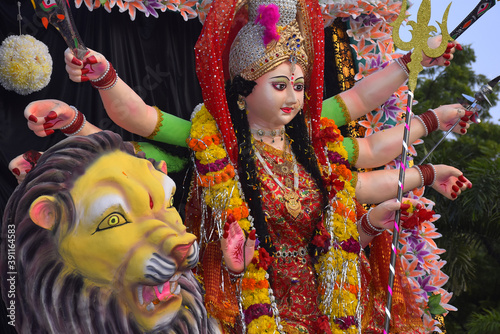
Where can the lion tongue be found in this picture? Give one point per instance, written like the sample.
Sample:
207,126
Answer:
152,294
165,293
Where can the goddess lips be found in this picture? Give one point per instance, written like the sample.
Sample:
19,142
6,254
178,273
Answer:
287,110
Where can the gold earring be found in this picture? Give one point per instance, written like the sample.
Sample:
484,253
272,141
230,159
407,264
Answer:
241,103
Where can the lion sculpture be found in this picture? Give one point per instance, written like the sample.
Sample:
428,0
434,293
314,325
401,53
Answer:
92,244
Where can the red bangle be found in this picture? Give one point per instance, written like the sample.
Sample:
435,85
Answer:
367,227
76,126
430,120
427,174
107,80
403,62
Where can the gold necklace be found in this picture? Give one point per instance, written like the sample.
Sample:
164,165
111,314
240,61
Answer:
291,197
283,168
272,133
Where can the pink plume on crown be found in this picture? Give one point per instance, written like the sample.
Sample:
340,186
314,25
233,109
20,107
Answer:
268,16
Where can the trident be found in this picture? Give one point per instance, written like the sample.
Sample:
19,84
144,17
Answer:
420,34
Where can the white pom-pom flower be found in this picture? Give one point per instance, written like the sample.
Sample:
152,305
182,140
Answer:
25,64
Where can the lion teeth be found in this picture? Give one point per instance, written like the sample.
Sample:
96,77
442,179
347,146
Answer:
177,290
160,288
173,287
175,277
150,307
139,295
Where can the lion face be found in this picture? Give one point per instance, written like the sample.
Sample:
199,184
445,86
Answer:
129,238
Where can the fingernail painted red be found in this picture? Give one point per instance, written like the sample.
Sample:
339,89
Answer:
446,63
85,70
463,131
18,172
92,60
76,61
84,78
446,56
462,178
33,118
455,188
458,47
453,195
51,115
49,132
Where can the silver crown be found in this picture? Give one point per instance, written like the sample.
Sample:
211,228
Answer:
250,58
288,10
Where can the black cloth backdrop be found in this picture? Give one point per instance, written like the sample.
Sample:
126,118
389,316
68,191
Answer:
155,56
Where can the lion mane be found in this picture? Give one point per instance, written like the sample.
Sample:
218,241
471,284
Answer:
49,298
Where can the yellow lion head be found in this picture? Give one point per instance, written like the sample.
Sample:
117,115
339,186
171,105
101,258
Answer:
107,251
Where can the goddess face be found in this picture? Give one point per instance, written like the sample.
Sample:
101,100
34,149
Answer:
277,97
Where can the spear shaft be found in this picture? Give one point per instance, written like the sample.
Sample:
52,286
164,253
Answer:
395,234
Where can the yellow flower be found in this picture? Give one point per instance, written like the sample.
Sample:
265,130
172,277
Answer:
263,324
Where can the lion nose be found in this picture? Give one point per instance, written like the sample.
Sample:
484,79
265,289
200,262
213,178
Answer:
180,253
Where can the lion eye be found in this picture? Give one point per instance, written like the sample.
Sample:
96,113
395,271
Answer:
112,220
171,200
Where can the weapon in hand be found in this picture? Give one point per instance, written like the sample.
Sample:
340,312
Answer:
482,7
474,106
57,13
420,34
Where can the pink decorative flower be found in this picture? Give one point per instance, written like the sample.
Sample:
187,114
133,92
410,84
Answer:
372,123
268,16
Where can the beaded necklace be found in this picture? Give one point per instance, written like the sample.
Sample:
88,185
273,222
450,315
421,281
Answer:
336,238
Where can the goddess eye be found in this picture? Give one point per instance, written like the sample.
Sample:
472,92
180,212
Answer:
279,85
299,87
114,219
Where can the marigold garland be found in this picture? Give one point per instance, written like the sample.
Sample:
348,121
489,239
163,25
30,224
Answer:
337,264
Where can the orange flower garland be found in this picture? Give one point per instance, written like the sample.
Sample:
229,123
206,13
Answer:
337,268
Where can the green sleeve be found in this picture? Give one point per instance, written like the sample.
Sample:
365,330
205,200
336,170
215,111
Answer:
352,148
170,129
335,109
174,163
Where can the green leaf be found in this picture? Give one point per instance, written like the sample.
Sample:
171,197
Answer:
434,306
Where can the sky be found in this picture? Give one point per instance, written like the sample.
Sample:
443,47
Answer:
481,36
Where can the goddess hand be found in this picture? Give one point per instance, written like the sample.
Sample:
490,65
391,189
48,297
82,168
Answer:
449,181
445,58
383,215
92,67
449,114
237,252
45,116
23,164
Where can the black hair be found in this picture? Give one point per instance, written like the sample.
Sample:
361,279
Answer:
301,147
